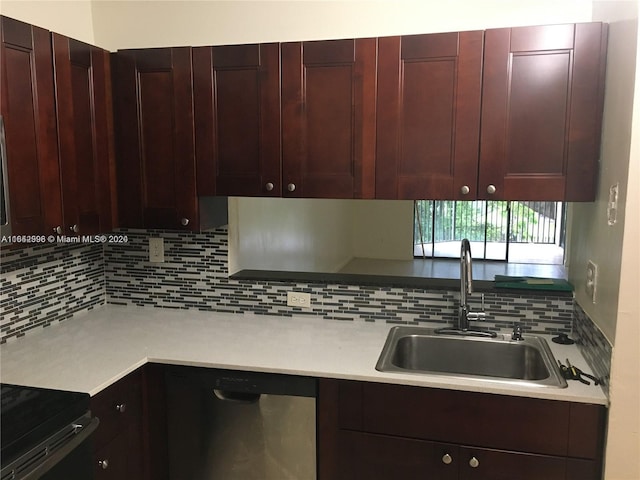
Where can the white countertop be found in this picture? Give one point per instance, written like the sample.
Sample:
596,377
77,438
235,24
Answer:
90,352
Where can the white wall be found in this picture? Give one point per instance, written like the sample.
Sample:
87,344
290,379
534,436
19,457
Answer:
293,235
618,310
314,235
119,24
71,18
382,229
592,238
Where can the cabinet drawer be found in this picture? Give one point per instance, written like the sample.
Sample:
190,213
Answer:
494,421
117,407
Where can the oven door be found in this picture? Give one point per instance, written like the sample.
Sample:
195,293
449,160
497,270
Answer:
65,455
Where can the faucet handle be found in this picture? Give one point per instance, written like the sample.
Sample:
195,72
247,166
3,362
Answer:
517,332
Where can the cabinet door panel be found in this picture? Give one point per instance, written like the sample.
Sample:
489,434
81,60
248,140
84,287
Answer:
237,112
28,111
378,457
123,456
504,465
428,115
83,101
543,430
541,112
155,100
328,118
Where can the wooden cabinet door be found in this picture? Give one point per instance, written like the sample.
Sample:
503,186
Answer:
237,119
428,112
155,138
485,464
121,458
118,439
28,111
542,103
328,118
85,132
363,456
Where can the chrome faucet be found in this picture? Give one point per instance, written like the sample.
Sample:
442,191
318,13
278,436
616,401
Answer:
466,288
466,284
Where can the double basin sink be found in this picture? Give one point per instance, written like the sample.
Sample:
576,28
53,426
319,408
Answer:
420,350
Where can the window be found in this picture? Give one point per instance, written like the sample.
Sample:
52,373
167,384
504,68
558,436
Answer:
518,232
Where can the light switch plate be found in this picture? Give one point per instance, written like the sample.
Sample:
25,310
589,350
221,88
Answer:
592,280
612,205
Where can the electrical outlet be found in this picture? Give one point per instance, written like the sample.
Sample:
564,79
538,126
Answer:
156,250
299,299
592,280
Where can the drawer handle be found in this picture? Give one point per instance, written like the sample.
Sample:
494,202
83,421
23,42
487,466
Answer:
446,459
121,407
104,464
474,462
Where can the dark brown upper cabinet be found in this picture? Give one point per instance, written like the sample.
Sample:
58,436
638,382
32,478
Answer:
237,119
328,118
428,107
542,107
153,93
85,132
29,115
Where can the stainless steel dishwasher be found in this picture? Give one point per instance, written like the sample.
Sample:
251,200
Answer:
233,425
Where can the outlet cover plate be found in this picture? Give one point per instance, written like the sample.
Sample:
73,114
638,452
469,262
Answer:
156,250
299,299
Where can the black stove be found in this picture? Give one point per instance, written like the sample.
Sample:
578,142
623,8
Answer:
40,428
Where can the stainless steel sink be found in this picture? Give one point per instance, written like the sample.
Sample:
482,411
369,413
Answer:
420,350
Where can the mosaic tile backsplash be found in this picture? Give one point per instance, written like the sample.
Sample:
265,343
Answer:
195,275
593,345
45,284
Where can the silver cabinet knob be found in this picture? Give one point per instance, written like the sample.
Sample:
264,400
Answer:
104,464
74,228
465,190
57,230
269,186
474,462
184,222
121,407
491,189
291,187
446,459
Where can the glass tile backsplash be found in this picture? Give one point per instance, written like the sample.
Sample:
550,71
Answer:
45,284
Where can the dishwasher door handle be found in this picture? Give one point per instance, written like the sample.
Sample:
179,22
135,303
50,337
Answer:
236,397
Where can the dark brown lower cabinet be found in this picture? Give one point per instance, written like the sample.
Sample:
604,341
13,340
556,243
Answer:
123,456
385,432
118,441
376,457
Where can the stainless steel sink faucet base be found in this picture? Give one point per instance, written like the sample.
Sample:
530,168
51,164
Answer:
466,288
